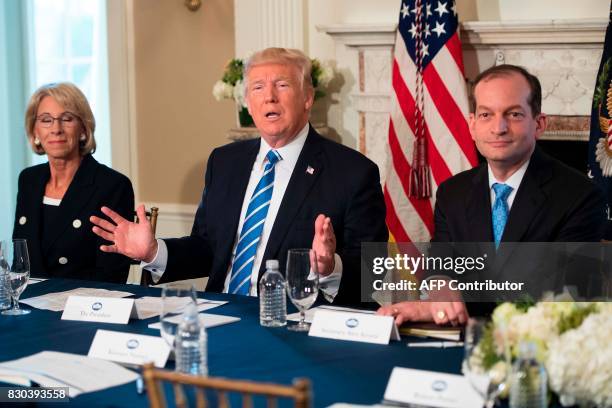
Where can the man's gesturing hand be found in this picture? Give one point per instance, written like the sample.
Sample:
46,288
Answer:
324,244
134,240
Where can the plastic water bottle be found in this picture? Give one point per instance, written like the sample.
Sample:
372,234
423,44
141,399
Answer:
272,297
528,383
190,344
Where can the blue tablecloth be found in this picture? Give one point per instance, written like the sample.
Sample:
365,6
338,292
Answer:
340,371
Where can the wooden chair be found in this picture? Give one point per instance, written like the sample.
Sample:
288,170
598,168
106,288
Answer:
154,379
152,217
145,276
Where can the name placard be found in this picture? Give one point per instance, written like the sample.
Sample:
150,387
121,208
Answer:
431,389
98,309
353,326
129,348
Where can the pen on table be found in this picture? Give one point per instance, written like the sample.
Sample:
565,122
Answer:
437,344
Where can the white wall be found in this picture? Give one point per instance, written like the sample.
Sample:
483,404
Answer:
541,9
338,113
268,23
325,12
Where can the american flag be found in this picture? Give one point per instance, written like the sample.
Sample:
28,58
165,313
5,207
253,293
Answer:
429,103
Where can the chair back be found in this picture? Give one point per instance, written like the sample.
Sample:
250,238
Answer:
154,379
145,276
151,217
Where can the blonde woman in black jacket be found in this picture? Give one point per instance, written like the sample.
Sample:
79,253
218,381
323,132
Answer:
56,199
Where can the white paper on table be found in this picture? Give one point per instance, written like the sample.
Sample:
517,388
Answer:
23,378
207,319
431,389
99,309
353,326
150,306
82,374
295,317
129,348
56,301
9,377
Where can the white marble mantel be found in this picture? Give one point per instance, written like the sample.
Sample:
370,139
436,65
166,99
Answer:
361,35
536,32
564,54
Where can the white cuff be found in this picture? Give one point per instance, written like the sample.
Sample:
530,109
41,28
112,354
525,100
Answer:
330,284
157,266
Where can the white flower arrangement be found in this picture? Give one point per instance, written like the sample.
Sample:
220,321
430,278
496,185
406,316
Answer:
579,363
222,90
572,341
238,93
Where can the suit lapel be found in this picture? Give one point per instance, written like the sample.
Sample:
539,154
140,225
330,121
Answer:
77,196
479,224
33,211
528,202
479,214
240,173
307,170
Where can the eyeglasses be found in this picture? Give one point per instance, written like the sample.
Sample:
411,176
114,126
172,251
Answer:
67,120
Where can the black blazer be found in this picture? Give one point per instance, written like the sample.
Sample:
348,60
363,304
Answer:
554,203
73,250
344,185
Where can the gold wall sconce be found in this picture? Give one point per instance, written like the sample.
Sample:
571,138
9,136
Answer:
193,5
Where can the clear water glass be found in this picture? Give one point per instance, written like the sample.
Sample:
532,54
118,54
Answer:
302,283
175,300
14,259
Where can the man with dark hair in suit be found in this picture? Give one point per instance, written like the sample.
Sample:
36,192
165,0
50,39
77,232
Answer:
519,195
290,189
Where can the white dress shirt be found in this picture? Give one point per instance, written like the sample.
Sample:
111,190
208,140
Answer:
282,173
513,181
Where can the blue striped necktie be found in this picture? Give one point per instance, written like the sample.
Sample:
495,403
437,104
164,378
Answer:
500,210
252,227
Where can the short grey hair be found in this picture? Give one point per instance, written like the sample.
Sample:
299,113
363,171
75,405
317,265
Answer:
283,56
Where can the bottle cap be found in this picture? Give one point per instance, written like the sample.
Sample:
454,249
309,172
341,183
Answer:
271,264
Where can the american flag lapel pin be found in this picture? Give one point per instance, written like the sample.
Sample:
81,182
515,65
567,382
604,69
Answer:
310,170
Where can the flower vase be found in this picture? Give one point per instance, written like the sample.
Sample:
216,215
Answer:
243,117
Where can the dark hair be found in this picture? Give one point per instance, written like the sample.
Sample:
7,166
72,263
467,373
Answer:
535,95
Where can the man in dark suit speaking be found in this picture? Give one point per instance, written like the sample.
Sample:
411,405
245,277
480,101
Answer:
289,189
519,195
